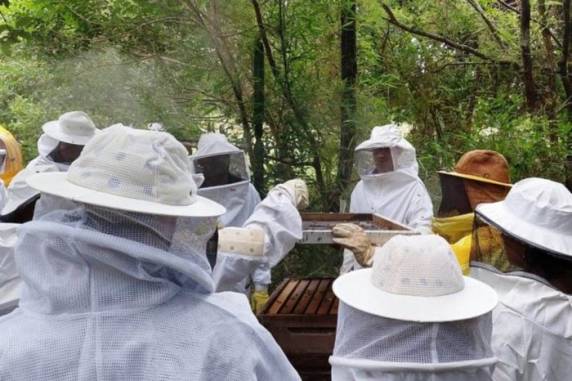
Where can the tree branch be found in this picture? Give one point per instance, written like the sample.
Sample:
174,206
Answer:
509,7
290,162
515,10
289,97
494,31
436,37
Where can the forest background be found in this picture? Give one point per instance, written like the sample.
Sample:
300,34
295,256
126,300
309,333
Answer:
298,83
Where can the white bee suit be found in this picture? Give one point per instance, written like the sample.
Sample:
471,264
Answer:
106,300
532,327
118,287
399,195
239,198
281,223
9,278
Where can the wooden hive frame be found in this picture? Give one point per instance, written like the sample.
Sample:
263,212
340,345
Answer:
301,314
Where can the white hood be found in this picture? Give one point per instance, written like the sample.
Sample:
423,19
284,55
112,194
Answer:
399,194
239,198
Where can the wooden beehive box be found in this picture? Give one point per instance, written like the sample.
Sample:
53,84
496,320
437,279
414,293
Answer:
317,227
301,314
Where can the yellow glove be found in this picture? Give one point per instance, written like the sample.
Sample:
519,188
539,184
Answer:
354,238
258,300
462,250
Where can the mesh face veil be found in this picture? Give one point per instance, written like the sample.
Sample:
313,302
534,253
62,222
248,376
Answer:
488,245
454,200
184,237
401,159
404,347
507,253
221,169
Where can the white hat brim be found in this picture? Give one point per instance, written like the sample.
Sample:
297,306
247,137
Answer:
14,204
55,183
53,130
356,290
498,214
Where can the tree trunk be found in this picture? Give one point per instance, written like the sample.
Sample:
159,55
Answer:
527,76
348,99
550,92
569,171
258,116
563,64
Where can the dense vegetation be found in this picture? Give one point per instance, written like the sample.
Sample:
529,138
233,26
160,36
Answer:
298,83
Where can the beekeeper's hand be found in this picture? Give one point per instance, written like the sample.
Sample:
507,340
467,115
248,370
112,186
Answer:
296,190
354,238
259,298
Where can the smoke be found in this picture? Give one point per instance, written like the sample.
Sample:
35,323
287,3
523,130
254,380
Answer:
112,88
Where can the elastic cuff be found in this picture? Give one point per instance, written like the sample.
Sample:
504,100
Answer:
260,287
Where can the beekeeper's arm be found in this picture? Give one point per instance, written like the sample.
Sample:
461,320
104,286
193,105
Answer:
420,216
266,237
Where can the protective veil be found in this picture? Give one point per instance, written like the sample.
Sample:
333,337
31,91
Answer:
399,194
238,197
112,295
532,332
370,347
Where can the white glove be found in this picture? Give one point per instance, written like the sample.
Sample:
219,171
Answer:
297,190
354,238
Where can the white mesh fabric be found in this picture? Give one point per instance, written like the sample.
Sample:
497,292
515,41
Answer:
403,160
214,143
234,161
277,216
9,278
46,145
112,304
135,164
48,203
213,146
399,194
388,136
74,127
239,200
431,274
410,347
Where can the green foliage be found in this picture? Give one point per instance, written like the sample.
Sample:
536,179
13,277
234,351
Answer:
187,63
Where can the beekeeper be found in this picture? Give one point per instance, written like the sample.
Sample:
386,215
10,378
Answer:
119,287
227,181
389,183
413,316
9,279
532,335
59,145
480,176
